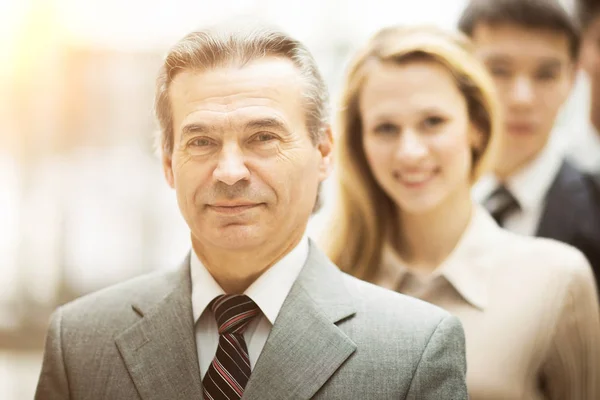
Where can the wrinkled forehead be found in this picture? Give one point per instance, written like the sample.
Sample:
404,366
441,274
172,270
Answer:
269,88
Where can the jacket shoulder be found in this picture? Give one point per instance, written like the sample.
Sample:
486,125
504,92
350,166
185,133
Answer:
111,308
131,290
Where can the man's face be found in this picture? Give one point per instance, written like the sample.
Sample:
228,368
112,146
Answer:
243,166
590,59
533,73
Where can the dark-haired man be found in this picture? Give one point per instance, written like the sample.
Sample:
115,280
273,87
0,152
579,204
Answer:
531,48
585,147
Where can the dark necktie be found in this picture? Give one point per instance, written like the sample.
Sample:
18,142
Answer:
229,372
501,204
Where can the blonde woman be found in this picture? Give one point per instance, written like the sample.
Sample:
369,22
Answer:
418,123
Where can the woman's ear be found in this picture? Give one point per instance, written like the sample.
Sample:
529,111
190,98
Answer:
476,139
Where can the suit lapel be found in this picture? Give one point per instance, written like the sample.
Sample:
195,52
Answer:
159,350
305,346
559,219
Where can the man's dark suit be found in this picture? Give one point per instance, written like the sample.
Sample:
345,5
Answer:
572,213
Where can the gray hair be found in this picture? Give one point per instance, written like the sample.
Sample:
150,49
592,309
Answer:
230,43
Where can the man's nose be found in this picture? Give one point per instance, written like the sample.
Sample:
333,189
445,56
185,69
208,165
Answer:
522,92
231,167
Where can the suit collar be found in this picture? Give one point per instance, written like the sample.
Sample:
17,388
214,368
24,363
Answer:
160,354
531,183
268,291
323,283
566,206
159,350
305,346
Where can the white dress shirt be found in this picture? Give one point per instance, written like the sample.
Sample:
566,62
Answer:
529,186
269,292
584,149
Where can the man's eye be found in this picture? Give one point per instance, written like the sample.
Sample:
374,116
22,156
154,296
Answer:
432,122
264,137
500,72
200,142
546,75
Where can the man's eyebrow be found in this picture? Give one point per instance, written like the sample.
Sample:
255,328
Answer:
545,62
262,123
550,63
195,128
267,123
497,59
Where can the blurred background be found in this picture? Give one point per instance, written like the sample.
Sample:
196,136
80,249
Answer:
83,203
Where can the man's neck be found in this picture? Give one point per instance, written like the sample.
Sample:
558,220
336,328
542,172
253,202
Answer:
510,167
236,270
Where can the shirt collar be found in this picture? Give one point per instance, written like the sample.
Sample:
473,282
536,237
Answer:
269,291
584,147
467,268
529,185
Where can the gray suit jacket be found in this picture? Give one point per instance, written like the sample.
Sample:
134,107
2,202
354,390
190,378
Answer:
335,338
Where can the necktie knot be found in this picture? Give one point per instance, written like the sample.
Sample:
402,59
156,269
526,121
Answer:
233,312
501,203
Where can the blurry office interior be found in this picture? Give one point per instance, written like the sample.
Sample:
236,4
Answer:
83,202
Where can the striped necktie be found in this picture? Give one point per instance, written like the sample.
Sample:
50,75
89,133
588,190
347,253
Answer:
229,372
501,204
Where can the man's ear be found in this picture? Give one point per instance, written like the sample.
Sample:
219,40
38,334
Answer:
167,163
325,147
574,71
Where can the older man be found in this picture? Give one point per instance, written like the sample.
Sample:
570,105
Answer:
256,310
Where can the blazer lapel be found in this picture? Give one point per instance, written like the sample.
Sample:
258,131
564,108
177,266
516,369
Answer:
305,346
559,217
159,350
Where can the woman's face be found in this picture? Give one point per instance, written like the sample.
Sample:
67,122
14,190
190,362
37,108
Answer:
417,135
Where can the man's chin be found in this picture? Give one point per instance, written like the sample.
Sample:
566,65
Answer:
238,237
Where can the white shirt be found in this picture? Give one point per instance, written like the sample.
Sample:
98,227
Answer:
584,149
577,133
269,292
529,186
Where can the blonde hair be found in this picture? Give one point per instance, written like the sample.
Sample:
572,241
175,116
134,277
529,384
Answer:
364,213
223,45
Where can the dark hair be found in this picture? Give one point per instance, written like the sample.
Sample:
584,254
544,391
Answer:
586,11
537,14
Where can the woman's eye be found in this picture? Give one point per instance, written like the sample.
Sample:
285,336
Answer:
432,122
386,128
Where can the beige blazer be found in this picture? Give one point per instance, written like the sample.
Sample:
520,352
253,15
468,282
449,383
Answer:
529,308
